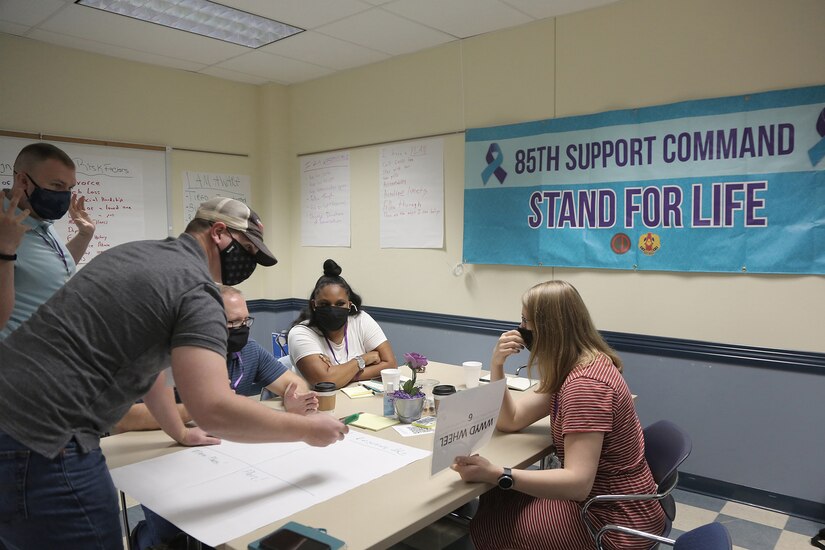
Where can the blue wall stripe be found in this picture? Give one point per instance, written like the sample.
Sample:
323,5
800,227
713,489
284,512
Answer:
695,350
754,497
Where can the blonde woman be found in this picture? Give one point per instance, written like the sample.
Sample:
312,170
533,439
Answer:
595,430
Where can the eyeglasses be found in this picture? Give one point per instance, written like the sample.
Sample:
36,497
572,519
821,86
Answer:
240,323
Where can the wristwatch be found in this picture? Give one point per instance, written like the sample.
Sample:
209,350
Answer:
505,480
361,362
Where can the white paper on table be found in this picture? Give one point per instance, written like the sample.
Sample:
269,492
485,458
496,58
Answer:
408,430
222,492
466,421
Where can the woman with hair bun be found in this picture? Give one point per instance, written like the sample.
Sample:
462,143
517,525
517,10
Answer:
333,339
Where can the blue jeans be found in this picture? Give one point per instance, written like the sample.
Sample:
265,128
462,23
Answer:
68,502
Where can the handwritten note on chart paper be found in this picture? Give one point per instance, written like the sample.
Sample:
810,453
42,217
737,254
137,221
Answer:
325,199
113,191
466,421
411,179
222,492
202,186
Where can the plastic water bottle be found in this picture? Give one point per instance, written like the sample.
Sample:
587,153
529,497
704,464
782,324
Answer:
389,400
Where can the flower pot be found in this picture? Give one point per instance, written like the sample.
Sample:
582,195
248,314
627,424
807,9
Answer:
409,410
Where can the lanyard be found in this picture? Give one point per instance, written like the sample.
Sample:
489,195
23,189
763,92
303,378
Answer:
54,245
346,345
239,361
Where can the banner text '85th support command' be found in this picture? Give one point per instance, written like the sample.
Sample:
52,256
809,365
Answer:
718,185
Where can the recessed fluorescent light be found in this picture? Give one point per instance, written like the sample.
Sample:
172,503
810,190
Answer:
201,17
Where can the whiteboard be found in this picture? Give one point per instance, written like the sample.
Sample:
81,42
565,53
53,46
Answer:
126,191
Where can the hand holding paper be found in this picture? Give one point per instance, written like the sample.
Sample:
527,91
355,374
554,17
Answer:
476,468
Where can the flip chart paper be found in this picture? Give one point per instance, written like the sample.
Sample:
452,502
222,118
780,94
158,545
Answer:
224,491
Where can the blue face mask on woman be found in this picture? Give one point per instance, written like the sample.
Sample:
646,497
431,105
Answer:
48,204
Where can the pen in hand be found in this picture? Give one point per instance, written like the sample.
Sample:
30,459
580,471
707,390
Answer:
350,419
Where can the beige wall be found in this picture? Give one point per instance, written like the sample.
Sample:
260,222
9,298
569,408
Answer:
633,53
54,90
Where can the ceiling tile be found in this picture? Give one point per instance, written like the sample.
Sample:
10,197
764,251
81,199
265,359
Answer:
340,34
27,12
300,13
226,74
274,67
113,51
461,18
137,35
13,28
541,9
323,50
385,32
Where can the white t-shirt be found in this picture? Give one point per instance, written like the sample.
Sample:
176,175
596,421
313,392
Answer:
363,335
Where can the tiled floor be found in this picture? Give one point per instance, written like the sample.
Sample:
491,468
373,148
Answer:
751,528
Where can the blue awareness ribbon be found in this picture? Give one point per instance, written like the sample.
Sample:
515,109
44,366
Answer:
817,152
494,159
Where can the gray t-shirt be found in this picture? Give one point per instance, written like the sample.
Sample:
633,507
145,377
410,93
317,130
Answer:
76,366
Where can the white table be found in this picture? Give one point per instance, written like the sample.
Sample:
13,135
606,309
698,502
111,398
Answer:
381,513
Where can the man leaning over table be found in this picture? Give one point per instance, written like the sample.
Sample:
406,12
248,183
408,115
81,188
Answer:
98,344
250,367
34,262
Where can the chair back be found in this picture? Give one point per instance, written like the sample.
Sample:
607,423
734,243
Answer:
279,344
666,447
713,536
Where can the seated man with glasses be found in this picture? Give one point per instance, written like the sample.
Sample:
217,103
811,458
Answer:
251,367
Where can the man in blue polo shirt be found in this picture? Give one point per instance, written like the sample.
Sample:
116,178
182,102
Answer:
251,368
34,261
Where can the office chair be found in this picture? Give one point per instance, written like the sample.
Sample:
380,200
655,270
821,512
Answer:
713,536
666,447
279,344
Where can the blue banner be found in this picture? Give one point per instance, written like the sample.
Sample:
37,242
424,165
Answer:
719,185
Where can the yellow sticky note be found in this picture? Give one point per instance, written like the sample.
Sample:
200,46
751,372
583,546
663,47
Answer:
374,422
357,392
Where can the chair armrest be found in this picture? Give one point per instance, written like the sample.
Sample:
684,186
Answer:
598,499
628,531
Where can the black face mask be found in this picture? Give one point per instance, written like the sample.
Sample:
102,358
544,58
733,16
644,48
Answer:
48,204
236,264
527,336
238,337
331,318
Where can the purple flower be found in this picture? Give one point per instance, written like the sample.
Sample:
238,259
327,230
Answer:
401,394
415,361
